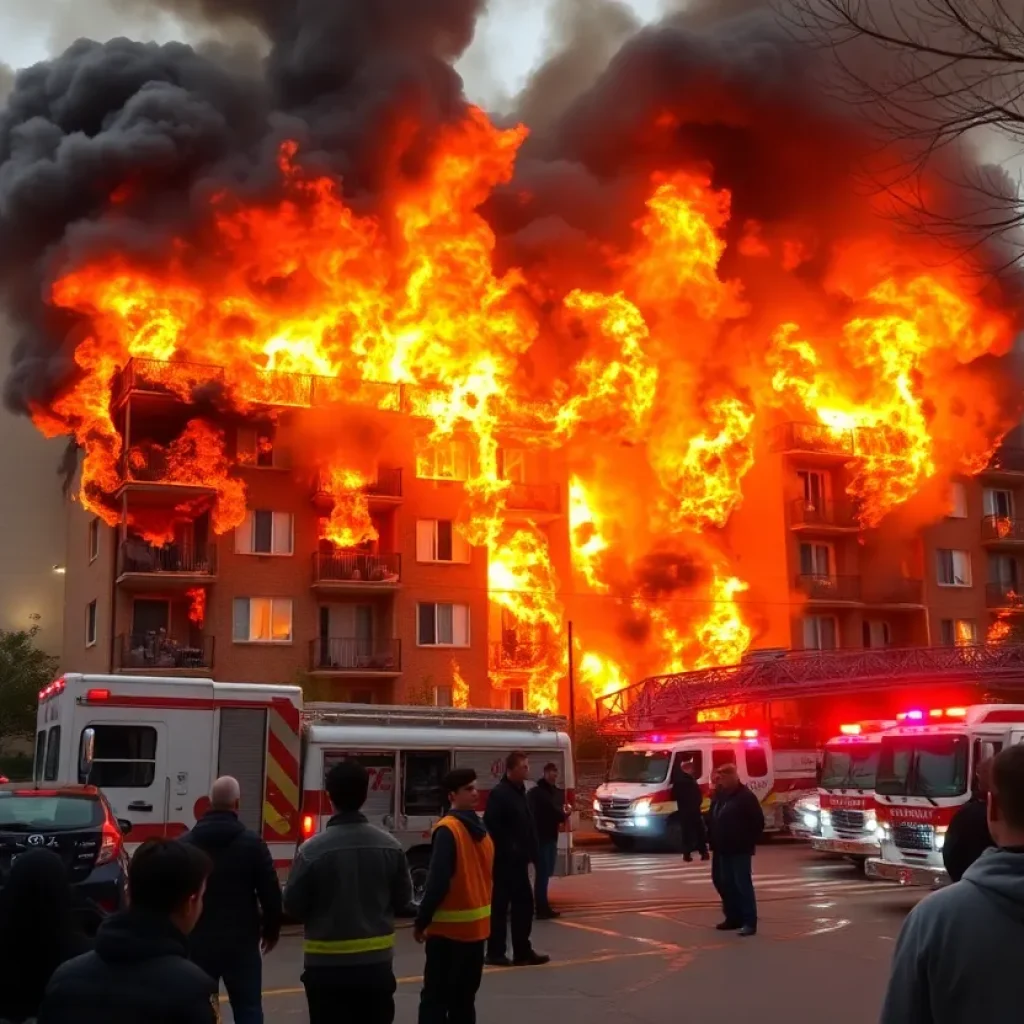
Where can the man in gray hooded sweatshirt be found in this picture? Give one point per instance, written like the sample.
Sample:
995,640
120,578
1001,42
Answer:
958,957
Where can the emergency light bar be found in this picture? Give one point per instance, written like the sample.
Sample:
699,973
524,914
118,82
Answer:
735,734
850,730
56,687
96,695
918,715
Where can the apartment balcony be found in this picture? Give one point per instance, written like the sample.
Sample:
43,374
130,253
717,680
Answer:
1000,531
511,657
350,572
813,439
159,654
823,516
355,656
149,471
830,589
385,490
534,502
1007,461
1004,597
142,566
898,592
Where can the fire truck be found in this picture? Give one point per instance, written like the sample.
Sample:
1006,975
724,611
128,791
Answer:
155,745
926,769
846,791
636,802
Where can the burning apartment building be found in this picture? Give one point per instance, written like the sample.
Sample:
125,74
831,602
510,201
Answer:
376,390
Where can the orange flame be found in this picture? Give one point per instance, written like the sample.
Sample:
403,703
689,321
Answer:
197,605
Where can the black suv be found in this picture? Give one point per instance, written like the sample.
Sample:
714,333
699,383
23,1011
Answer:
77,823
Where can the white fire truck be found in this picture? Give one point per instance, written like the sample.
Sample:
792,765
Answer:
846,791
925,772
636,802
155,745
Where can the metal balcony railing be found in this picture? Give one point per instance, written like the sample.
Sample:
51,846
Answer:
893,591
136,556
813,437
354,654
829,588
517,656
533,498
1007,459
387,485
1003,595
823,513
1002,528
156,650
350,567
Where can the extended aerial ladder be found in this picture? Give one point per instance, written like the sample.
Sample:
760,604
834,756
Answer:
672,701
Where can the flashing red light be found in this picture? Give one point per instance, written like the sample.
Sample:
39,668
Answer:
935,713
850,730
308,826
913,716
729,734
956,712
750,734
97,695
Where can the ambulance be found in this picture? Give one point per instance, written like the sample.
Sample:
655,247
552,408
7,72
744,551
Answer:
846,792
926,768
636,804
155,745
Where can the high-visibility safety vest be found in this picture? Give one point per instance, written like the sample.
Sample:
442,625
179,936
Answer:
465,912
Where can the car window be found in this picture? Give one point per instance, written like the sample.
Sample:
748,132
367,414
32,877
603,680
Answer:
757,762
124,756
49,812
37,767
721,757
52,755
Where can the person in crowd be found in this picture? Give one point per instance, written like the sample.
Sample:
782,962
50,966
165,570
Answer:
735,823
968,836
688,797
510,824
139,969
242,907
345,887
38,932
550,813
957,958
454,916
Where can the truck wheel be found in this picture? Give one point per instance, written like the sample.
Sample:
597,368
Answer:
674,834
624,844
861,864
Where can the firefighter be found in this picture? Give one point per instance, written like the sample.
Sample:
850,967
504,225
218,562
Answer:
688,797
454,916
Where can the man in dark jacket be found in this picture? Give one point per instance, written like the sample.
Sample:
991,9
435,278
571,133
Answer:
957,958
550,813
735,823
510,824
140,970
968,836
688,797
242,906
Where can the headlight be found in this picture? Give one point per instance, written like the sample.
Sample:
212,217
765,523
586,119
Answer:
810,820
642,807
597,805
826,817
870,822
940,837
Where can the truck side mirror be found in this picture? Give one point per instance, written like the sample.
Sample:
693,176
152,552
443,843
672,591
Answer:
85,755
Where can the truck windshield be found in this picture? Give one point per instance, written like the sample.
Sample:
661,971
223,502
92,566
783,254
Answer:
851,766
928,766
640,766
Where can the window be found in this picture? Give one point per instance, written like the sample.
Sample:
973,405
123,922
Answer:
262,620
757,762
998,503
721,757
37,765
957,500
256,448
821,633
422,792
90,624
815,560
443,625
958,632
813,486
124,756
52,766
516,698
877,634
443,697
442,460
438,541
265,533
953,568
94,539
1002,570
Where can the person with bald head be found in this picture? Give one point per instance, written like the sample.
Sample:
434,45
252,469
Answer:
242,907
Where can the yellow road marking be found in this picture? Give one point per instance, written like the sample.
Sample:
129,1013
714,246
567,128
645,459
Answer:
667,947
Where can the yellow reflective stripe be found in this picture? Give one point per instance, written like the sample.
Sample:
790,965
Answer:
461,916
349,945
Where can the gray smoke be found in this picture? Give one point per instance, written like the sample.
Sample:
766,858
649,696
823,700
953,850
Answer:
6,80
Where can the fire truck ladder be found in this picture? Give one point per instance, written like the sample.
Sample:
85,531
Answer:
440,717
660,701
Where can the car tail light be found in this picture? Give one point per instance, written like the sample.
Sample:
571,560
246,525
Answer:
95,696
308,826
111,842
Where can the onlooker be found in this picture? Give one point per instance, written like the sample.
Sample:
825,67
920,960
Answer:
38,932
550,813
968,836
454,916
510,823
233,933
688,797
735,823
957,958
139,970
345,886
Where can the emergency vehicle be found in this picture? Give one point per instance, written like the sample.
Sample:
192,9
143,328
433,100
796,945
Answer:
846,792
926,768
636,802
155,745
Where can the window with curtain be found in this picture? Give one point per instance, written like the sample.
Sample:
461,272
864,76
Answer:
437,540
262,620
443,625
265,533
